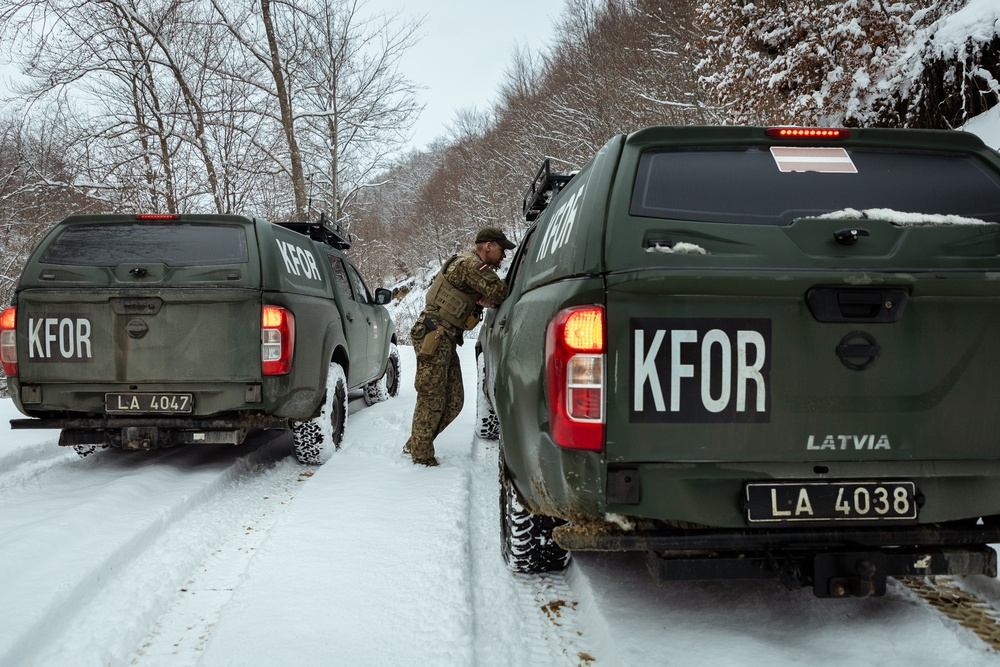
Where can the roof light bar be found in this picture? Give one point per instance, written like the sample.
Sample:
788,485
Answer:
807,133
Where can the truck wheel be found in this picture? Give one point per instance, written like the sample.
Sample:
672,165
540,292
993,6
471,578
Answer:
392,372
387,385
487,424
315,436
525,538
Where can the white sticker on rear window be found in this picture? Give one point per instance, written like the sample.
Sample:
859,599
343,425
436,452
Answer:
826,160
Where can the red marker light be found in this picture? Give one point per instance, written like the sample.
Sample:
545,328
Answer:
157,216
807,133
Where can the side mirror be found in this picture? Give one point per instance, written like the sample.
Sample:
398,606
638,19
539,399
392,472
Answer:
382,296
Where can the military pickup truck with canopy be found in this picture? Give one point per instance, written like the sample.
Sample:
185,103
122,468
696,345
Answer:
144,331
755,352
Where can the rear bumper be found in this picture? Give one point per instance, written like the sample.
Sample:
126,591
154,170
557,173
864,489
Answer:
153,432
585,538
834,563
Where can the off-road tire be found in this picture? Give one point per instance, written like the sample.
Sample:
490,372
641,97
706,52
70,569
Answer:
314,437
525,538
386,386
392,372
487,424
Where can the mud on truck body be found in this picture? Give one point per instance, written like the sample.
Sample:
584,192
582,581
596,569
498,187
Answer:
158,330
753,353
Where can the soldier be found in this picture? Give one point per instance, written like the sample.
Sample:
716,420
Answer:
465,284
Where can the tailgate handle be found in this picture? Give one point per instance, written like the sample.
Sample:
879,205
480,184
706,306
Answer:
859,304
136,305
848,304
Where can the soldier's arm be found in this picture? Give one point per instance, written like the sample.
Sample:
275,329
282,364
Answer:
484,280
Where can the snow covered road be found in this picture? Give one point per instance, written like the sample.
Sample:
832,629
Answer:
240,556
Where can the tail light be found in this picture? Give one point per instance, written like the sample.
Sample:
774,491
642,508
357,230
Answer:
574,368
277,340
157,216
8,341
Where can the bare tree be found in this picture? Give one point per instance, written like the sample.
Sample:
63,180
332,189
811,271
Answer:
363,106
342,105
130,63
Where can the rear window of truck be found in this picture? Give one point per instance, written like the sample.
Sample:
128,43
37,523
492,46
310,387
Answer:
748,185
171,244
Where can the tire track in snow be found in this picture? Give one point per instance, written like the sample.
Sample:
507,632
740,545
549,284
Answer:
182,631
26,465
962,606
520,619
146,567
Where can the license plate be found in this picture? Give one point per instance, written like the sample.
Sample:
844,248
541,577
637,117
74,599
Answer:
149,403
791,502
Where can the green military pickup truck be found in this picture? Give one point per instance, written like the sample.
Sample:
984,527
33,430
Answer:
755,352
144,331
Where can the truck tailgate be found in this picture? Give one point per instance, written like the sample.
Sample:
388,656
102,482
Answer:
717,363
128,336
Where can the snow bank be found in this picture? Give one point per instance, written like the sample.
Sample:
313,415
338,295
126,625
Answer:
987,127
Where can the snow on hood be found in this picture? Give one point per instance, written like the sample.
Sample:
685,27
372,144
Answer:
901,219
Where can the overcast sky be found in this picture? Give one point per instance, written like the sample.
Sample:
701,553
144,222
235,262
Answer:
465,49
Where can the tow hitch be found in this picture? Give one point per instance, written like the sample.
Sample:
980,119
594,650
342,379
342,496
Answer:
849,575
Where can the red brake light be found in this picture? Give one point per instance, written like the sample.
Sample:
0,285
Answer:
8,341
157,216
807,133
574,369
277,340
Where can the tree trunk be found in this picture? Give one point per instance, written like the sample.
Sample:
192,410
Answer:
287,120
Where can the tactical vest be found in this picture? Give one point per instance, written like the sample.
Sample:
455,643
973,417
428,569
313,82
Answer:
453,305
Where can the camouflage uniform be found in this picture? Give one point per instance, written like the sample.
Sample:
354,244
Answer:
439,376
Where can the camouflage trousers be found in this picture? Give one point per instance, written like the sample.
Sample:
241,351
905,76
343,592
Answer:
439,395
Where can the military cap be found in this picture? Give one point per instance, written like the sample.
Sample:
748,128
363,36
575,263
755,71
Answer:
488,234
